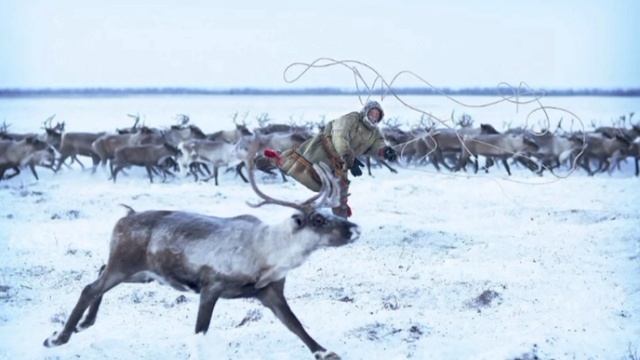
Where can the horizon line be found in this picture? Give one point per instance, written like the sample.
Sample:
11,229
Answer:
110,91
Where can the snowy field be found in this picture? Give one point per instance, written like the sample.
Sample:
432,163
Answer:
448,266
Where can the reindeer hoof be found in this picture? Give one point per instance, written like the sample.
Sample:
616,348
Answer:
53,340
326,355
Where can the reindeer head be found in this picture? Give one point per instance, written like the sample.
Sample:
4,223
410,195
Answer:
53,133
196,132
313,218
243,130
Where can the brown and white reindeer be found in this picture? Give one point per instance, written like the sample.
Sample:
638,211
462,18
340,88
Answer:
106,145
213,154
74,144
229,258
15,154
496,146
231,136
151,157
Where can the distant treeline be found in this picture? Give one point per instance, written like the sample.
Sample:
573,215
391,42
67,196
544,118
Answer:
142,91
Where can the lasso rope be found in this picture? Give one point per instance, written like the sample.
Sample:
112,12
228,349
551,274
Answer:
386,88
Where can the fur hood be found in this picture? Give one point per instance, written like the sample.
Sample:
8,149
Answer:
365,110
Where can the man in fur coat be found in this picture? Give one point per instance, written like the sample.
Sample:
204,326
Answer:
338,145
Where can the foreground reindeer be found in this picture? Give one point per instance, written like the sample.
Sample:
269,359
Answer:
228,258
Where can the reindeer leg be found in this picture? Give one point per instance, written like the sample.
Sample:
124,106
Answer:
115,172
193,170
89,295
61,161
637,166
75,158
388,166
90,318
369,165
208,297
215,174
239,171
96,160
33,171
488,162
461,161
205,167
272,296
506,166
284,176
434,161
444,163
16,172
149,173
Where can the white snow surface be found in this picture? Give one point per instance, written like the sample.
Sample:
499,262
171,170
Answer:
449,266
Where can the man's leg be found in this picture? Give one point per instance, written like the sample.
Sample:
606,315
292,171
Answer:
343,209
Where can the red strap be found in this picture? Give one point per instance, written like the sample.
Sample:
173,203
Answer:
272,154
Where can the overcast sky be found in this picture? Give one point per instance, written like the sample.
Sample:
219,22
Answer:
247,43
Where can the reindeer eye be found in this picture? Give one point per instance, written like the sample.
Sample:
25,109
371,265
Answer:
318,220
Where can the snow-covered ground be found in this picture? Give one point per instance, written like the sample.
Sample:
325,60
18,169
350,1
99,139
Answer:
448,267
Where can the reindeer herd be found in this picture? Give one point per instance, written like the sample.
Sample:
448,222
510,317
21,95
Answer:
600,150
186,149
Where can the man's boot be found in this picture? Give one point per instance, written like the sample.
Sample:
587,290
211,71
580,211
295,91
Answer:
343,210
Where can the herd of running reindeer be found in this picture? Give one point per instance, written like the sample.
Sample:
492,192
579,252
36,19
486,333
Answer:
184,147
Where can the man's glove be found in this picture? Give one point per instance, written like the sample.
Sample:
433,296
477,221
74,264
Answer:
355,169
389,153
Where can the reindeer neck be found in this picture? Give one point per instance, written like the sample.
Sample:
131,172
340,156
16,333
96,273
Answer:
287,249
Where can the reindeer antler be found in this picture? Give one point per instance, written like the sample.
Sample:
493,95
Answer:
327,196
263,119
47,123
5,127
253,149
136,119
183,119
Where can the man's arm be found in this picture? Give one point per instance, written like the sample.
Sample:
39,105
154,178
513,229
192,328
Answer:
380,148
341,137
378,145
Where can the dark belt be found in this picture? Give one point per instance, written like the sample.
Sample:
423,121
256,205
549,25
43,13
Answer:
336,160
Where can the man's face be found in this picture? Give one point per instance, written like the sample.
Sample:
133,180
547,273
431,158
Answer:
374,115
